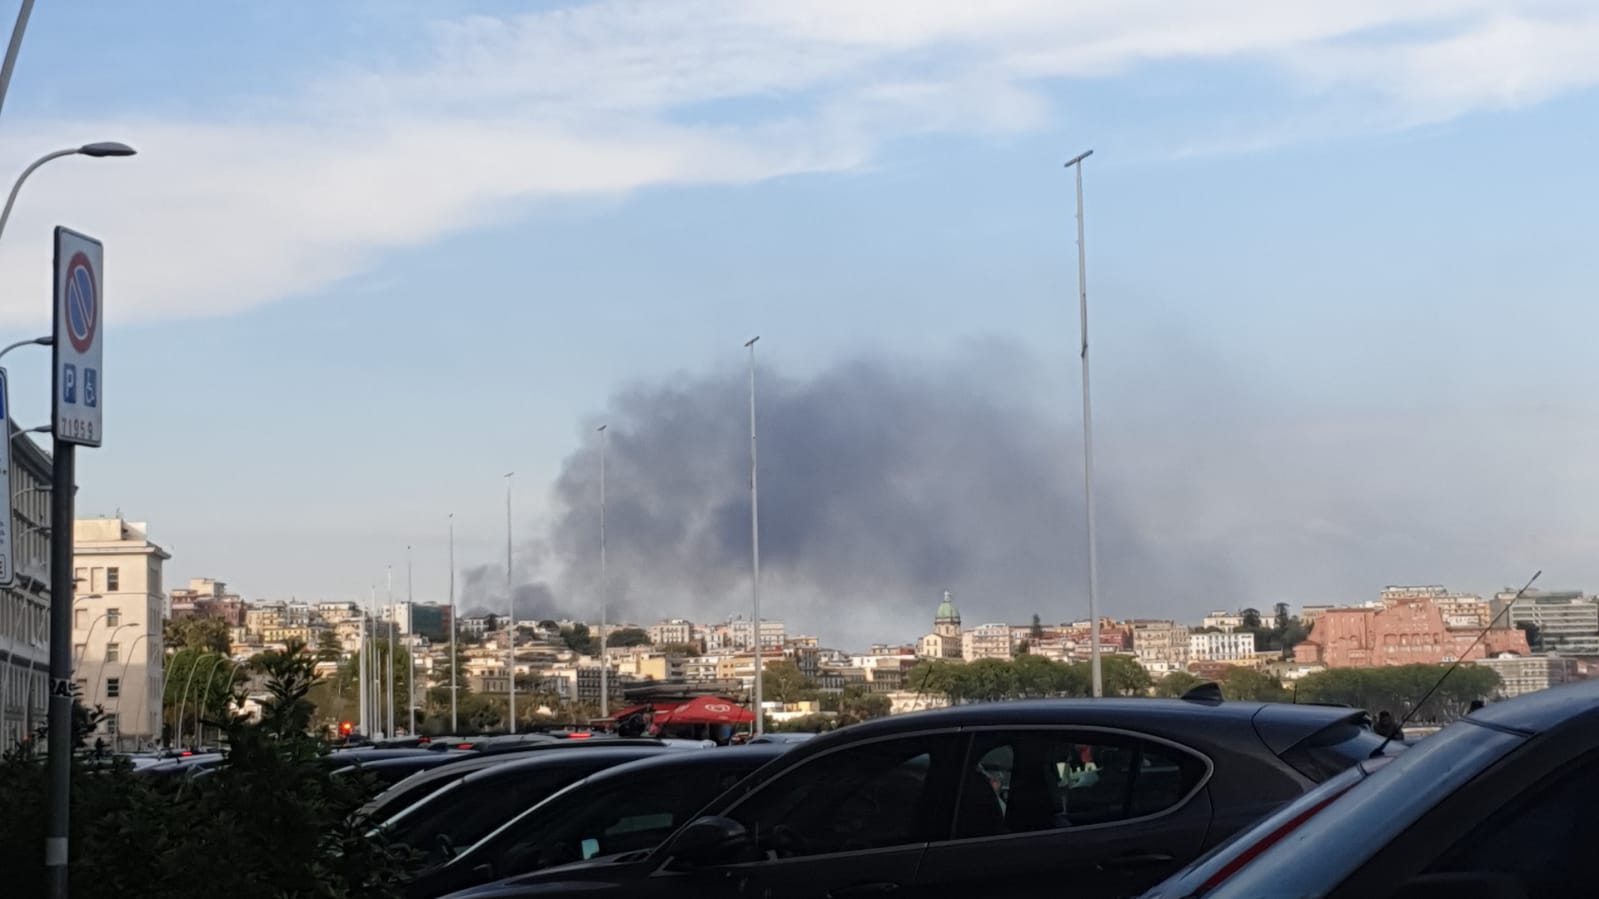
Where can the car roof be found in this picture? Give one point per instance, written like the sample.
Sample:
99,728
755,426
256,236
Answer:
1135,713
612,755
1536,712
756,754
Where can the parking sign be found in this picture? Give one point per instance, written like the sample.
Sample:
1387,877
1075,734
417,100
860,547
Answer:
79,336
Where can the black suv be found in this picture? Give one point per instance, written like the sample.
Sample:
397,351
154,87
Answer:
1087,798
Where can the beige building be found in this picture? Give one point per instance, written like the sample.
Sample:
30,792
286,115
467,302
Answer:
25,606
1234,649
116,627
1520,674
1160,645
675,630
987,641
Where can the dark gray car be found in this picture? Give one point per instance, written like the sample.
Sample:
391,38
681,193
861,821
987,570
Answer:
1087,798
1498,805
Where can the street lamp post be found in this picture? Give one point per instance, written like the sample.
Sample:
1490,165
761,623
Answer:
1076,164
605,664
99,673
755,546
454,626
389,731
510,610
410,657
144,692
63,475
98,150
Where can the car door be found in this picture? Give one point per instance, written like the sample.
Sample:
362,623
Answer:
1077,812
845,824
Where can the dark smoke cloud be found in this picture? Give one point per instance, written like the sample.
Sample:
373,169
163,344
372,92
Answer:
882,484
885,481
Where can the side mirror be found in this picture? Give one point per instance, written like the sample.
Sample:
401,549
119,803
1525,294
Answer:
1461,885
708,841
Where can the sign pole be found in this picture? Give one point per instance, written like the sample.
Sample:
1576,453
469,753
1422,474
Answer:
60,733
76,378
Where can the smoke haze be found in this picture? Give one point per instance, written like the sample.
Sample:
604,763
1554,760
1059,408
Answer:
885,481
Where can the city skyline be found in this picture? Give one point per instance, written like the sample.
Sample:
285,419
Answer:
333,323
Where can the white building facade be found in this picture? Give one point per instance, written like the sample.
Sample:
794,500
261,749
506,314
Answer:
25,606
117,645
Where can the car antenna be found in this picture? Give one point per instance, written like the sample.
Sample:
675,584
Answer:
1388,738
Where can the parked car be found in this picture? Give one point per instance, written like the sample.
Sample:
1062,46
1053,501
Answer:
390,770
463,810
1498,804
1086,798
782,738
414,787
630,807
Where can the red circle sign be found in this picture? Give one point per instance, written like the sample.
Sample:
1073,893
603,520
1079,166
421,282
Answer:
82,302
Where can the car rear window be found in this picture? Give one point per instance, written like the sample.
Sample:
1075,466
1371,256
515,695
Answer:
1332,750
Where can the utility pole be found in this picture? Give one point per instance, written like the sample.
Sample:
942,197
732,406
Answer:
1076,164
605,663
390,731
454,626
755,547
410,668
510,611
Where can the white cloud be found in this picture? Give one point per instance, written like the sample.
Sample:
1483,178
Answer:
602,99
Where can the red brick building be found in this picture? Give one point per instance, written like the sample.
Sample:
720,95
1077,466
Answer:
1407,632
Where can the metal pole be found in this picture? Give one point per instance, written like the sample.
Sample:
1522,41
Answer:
410,657
510,609
454,626
62,474
6,68
99,671
755,547
363,657
1088,436
605,665
183,699
389,731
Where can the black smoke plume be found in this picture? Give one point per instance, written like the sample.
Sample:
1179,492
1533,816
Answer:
883,482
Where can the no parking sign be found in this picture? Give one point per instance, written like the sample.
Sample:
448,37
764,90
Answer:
79,315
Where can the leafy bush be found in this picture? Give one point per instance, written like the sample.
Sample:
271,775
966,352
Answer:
273,823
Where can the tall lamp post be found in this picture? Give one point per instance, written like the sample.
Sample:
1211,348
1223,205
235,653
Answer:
410,657
1076,165
605,663
510,611
389,731
63,476
454,626
755,546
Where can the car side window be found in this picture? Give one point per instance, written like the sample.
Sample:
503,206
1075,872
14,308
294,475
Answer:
1035,780
872,796
1543,839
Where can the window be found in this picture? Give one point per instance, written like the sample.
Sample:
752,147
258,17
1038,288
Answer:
110,724
113,578
113,617
865,797
80,619
1541,840
629,814
113,687
113,652
1019,782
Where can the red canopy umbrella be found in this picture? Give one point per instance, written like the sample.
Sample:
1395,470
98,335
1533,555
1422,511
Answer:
706,710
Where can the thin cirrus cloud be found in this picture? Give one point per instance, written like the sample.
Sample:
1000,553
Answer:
288,197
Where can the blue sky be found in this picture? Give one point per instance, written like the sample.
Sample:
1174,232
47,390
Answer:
374,255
